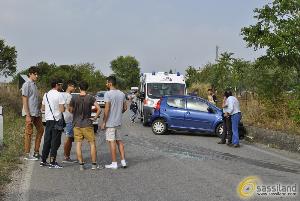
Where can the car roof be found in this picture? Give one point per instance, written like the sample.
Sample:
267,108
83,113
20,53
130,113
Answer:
183,96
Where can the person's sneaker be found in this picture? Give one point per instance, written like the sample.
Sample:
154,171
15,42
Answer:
69,160
229,144
236,145
30,158
81,167
37,155
44,164
123,164
55,165
97,167
111,166
221,142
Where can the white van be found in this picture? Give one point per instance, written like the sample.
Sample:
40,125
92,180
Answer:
155,85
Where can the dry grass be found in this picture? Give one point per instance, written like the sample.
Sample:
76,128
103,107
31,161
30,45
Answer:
275,117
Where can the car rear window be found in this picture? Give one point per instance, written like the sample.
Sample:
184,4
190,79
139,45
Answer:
176,102
100,95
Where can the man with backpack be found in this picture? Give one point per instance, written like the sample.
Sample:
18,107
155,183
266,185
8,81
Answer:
53,105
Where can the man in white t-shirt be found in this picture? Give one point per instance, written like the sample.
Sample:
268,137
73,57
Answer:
233,108
53,104
69,122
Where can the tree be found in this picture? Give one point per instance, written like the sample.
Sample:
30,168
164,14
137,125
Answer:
8,59
277,31
190,76
127,69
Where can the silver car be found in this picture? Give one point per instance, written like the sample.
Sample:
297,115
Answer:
100,98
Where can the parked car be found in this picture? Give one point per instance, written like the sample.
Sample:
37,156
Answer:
100,98
187,113
95,123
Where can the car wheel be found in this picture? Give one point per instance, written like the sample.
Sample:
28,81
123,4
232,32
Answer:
219,130
159,127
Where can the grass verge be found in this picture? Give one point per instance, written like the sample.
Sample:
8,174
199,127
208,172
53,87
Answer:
13,134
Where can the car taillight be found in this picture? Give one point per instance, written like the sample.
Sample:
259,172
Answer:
145,101
94,109
157,106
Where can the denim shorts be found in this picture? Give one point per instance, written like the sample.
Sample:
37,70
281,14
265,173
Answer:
69,130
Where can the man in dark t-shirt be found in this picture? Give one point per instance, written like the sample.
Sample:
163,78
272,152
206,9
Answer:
81,107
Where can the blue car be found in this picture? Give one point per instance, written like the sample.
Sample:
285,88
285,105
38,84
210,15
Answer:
186,113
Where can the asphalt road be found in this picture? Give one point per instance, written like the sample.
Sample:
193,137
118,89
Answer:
170,167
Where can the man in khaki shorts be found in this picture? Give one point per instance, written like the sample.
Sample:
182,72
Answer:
115,106
81,107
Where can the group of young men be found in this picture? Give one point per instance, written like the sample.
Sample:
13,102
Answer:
76,111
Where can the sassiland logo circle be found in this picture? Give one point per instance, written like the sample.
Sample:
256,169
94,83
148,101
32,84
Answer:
247,187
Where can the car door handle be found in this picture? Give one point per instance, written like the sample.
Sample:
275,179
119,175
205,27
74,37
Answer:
187,113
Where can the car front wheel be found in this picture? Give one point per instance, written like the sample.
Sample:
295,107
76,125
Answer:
219,130
159,127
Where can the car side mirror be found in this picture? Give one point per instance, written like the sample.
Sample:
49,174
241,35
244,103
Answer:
210,110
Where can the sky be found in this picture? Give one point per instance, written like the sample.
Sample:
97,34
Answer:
160,34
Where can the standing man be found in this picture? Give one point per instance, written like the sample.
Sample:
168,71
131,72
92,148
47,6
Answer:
81,107
133,107
53,104
69,123
31,103
115,106
233,107
227,133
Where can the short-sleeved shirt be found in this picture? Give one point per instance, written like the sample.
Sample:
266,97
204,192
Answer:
133,98
82,110
116,98
233,105
225,109
55,99
29,89
67,115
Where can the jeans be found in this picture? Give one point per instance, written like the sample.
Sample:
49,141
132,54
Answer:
69,129
235,120
52,141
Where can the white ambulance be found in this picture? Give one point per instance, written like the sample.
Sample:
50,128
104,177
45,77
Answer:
155,85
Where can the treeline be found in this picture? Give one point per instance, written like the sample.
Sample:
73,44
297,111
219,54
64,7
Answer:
76,72
125,68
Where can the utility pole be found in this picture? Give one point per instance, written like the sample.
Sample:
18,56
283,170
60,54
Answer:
217,53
